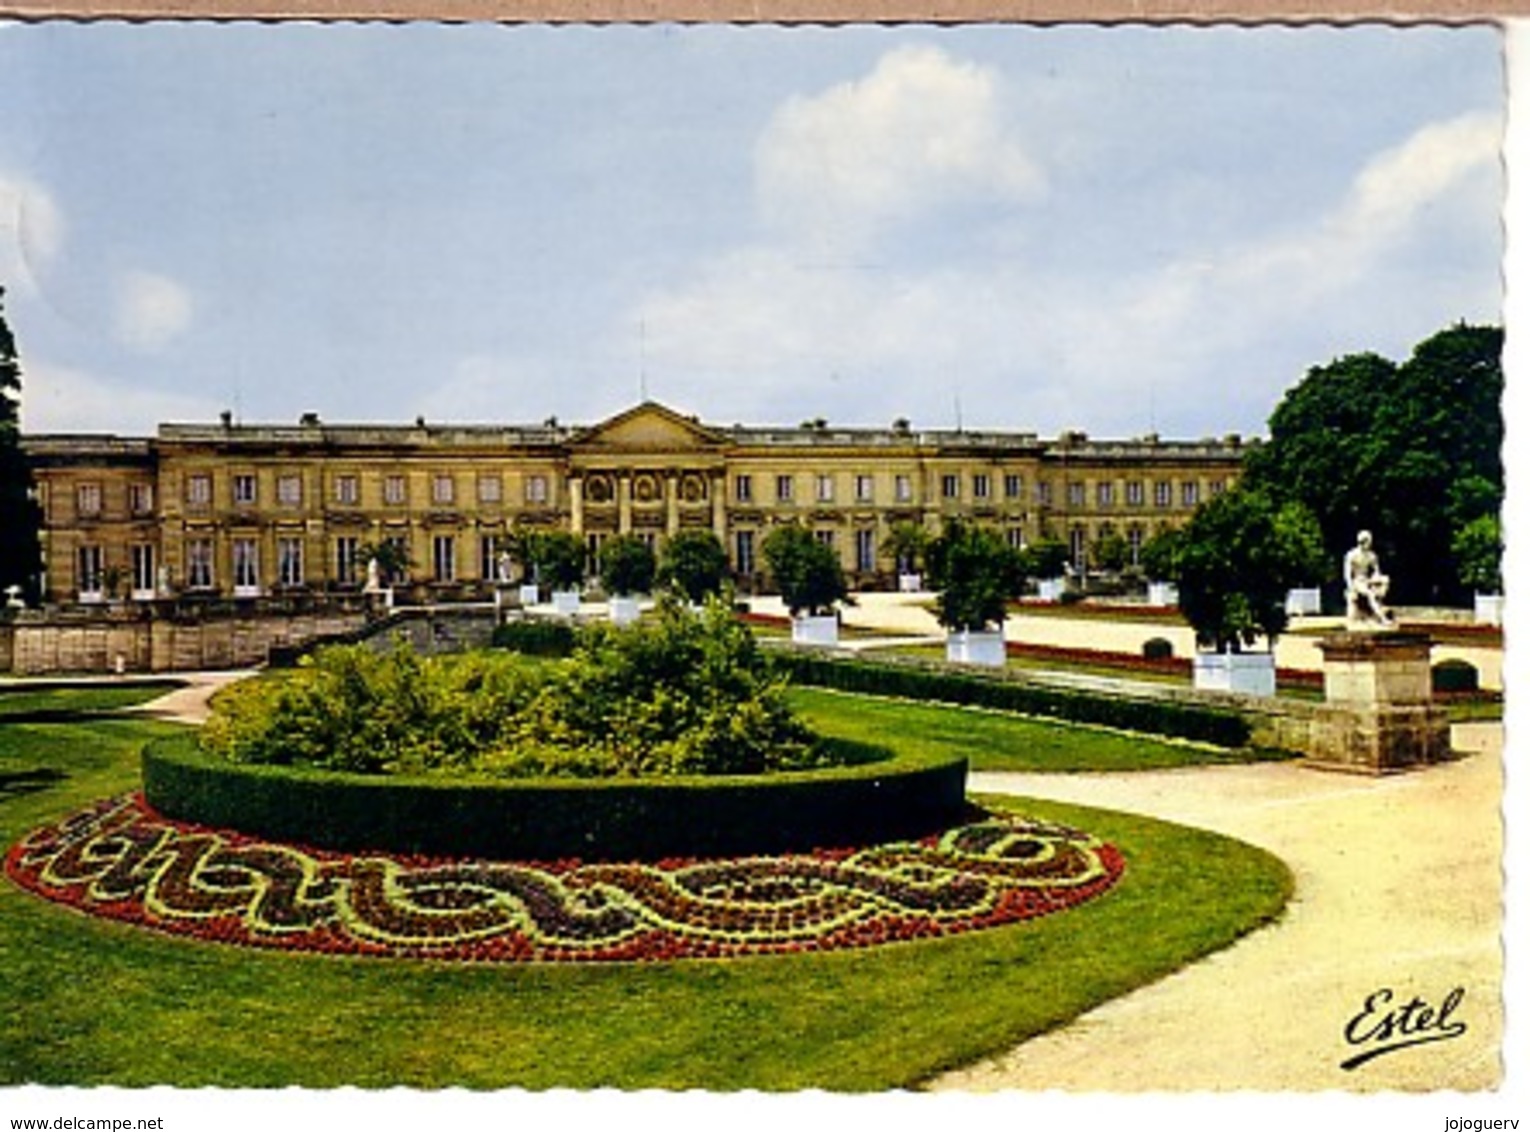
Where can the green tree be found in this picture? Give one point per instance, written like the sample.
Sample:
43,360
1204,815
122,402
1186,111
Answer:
974,573
1235,560
1045,559
391,558
560,558
1111,552
905,544
1410,452
1159,553
627,566
694,563
806,571
20,548
1478,552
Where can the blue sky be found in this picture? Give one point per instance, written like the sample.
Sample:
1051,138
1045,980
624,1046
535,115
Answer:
1114,229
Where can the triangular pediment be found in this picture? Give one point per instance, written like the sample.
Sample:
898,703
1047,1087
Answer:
648,427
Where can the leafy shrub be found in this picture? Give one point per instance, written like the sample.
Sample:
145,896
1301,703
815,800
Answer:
1157,648
683,695
627,566
693,563
1454,675
806,571
974,573
535,636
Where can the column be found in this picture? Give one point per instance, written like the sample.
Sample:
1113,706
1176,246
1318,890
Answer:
671,502
716,486
624,501
576,504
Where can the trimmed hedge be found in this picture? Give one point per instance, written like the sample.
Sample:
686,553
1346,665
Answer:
878,798
535,636
1154,717
1453,675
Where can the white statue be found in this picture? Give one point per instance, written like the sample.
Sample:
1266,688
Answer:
374,578
1364,585
502,566
162,581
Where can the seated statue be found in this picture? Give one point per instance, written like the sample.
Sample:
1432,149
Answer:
1364,585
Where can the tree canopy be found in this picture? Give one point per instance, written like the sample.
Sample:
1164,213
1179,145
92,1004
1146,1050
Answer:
806,571
627,565
974,574
1235,560
1410,452
20,550
694,563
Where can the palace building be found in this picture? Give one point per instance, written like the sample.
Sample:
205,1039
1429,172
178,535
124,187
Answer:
253,510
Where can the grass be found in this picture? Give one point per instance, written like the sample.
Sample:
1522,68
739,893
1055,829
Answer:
18,700
999,741
92,1002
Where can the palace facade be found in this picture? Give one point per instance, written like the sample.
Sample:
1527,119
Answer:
253,510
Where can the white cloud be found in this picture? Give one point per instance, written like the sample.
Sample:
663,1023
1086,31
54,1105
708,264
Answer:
922,129
1103,351
60,399
152,311
31,231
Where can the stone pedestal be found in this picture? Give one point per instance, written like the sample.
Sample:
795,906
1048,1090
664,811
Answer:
1382,717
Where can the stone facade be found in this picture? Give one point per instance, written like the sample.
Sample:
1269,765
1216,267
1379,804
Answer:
253,510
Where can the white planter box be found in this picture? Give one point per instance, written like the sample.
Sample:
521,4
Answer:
815,630
1163,593
1304,602
624,610
530,595
976,648
246,591
1050,589
566,602
1487,609
1249,673
143,595
910,583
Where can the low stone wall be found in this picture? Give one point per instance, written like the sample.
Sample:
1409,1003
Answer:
36,644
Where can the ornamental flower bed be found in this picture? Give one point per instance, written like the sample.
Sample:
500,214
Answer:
122,861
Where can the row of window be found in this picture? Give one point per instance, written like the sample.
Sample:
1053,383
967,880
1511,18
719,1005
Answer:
864,489
244,489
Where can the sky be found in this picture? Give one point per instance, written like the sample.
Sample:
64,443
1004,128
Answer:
1121,230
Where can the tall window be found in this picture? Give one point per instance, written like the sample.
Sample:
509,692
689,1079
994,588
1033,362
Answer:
199,564
244,488
87,499
743,544
865,489
142,554
825,538
981,485
1134,495
88,564
865,550
1015,537
347,491
347,559
903,488
395,490
1217,487
1134,540
825,488
1078,539
1189,493
199,490
1104,495
140,498
1163,493
1075,494
1014,486
444,557
743,490
1043,493
398,546
950,486
246,565
289,490
289,561
443,489
536,489
488,558
783,489
488,490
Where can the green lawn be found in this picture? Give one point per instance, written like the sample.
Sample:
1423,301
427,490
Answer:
996,740
90,1002
19,700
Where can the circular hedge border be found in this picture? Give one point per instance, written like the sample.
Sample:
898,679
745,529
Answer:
894,798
